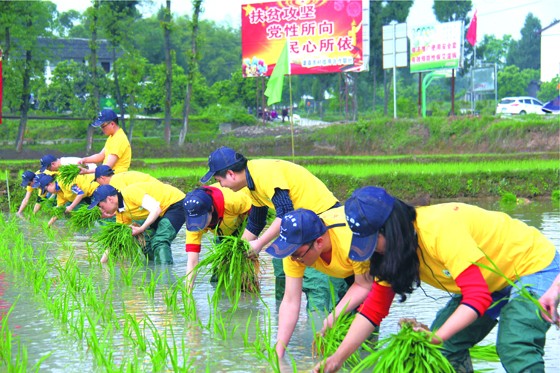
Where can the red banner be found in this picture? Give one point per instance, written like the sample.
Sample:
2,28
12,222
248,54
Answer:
324,36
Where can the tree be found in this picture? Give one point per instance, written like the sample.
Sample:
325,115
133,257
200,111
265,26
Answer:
166,26
492,50
514,82
193,68
526,53
455,10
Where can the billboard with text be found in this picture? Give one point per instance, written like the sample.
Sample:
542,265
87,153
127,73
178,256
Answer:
438,46
323,36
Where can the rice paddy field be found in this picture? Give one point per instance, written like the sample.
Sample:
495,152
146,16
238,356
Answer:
64,311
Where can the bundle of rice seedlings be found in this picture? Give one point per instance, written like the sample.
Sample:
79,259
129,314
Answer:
407,351
486,353
118,241
325,345
235,273
84,218
67,174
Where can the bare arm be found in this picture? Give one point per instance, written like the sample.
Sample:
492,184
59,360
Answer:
24,203
268,235
288,313
111,160
355,296
74,203
154,207
94,158
192,261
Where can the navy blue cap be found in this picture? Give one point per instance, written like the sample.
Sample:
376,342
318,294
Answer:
366,211
101,193
27,177
46,161
41,181
297,228
220,160
103,170
104,116
198,205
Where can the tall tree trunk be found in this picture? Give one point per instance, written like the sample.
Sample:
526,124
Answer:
168,71
385,93
24,107
374,100
94,77
193,69
120,100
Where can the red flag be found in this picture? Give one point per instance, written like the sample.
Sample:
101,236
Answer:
1,93
471,32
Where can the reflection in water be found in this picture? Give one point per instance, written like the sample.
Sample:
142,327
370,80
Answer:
201,346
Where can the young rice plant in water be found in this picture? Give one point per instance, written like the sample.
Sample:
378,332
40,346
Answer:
227,261
84,218
407,351
118,241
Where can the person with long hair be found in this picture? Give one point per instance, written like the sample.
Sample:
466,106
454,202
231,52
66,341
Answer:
473,254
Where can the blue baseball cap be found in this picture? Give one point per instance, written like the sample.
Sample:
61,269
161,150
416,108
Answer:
366,211
220,160
42,181
104,116
27,177
46,161
103,170
198,206
101,193
297,228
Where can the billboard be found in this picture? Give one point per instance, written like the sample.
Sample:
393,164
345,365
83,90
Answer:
484,79
323,36
438,46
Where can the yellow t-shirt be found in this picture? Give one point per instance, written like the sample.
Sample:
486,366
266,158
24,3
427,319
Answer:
82,184
340,266
133,195
305,189
119,145
124,179
236,209
452,236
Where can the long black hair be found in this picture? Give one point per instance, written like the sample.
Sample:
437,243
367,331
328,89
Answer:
399,265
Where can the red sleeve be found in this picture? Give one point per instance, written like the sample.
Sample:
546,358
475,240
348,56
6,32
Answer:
377,304
192,248
474,289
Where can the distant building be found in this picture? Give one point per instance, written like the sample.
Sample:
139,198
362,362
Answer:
550,52
75,49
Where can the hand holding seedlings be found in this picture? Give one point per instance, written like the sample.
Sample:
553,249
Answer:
549,301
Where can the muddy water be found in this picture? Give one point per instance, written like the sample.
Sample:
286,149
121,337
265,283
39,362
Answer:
198,345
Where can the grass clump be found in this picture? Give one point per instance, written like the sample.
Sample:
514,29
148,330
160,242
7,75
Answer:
84,218
227,261
67,174
117,240
407,351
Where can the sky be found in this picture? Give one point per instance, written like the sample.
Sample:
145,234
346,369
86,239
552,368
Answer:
495,17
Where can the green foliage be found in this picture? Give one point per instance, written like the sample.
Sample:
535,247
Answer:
447,11
84,218
514,82
549,90
407,351
67,174
118,241
227,261
525,53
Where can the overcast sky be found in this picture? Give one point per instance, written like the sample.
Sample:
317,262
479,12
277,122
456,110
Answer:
495,17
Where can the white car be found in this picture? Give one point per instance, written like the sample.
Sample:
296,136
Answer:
519,105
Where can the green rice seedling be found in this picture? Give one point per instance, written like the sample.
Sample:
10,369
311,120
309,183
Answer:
133,332
67,174
236,273
486,353
159,348
326,344
189,305
84,218
118,241
406,351
150,287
